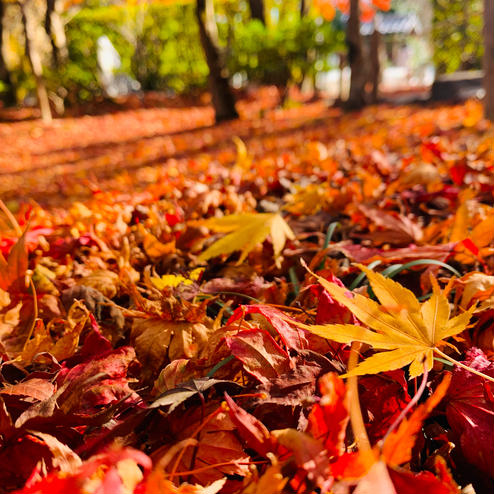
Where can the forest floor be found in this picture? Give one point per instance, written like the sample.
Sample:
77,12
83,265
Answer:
133,140
178,300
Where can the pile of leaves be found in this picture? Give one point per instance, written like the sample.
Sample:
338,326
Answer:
302,310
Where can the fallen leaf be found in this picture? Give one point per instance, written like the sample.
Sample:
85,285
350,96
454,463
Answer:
398,446
175,397
158,341
470,411
14,268
260,354
410,330
250,429
245,231
292,337
328,419
153,247
39,389
106,282
309,454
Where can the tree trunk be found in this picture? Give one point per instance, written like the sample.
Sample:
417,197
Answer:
8,95
489,59
221,94
375,66
356,59
35,62
257,10
211,26
56,33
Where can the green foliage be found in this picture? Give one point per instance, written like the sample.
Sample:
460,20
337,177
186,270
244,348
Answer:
80,75
168,54
159,46
275,55
457,35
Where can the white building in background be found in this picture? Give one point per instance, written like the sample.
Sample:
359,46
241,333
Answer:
404,53
114,82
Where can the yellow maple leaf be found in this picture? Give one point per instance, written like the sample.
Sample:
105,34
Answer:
411,331
174,280
245,231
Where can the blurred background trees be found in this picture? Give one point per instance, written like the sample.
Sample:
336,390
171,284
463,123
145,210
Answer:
52,50
457,35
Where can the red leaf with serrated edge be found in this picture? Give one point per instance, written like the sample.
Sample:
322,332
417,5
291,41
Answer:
328,419
14,268
98,382
292,337
382,398
470,411
250,429
94,343
261,355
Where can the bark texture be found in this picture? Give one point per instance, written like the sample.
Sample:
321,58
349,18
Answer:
356,98
257,10
56,33
375,65
221,93
35,62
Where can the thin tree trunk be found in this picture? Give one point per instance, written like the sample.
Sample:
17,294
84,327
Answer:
36,66
8,95
341,97
356,59
221,93
211,27
489,59
257,10
56,33
375,66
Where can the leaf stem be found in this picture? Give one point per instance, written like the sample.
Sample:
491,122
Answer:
463,366
356,419
215,465
35,310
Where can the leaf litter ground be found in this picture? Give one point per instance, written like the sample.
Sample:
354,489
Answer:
160,334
